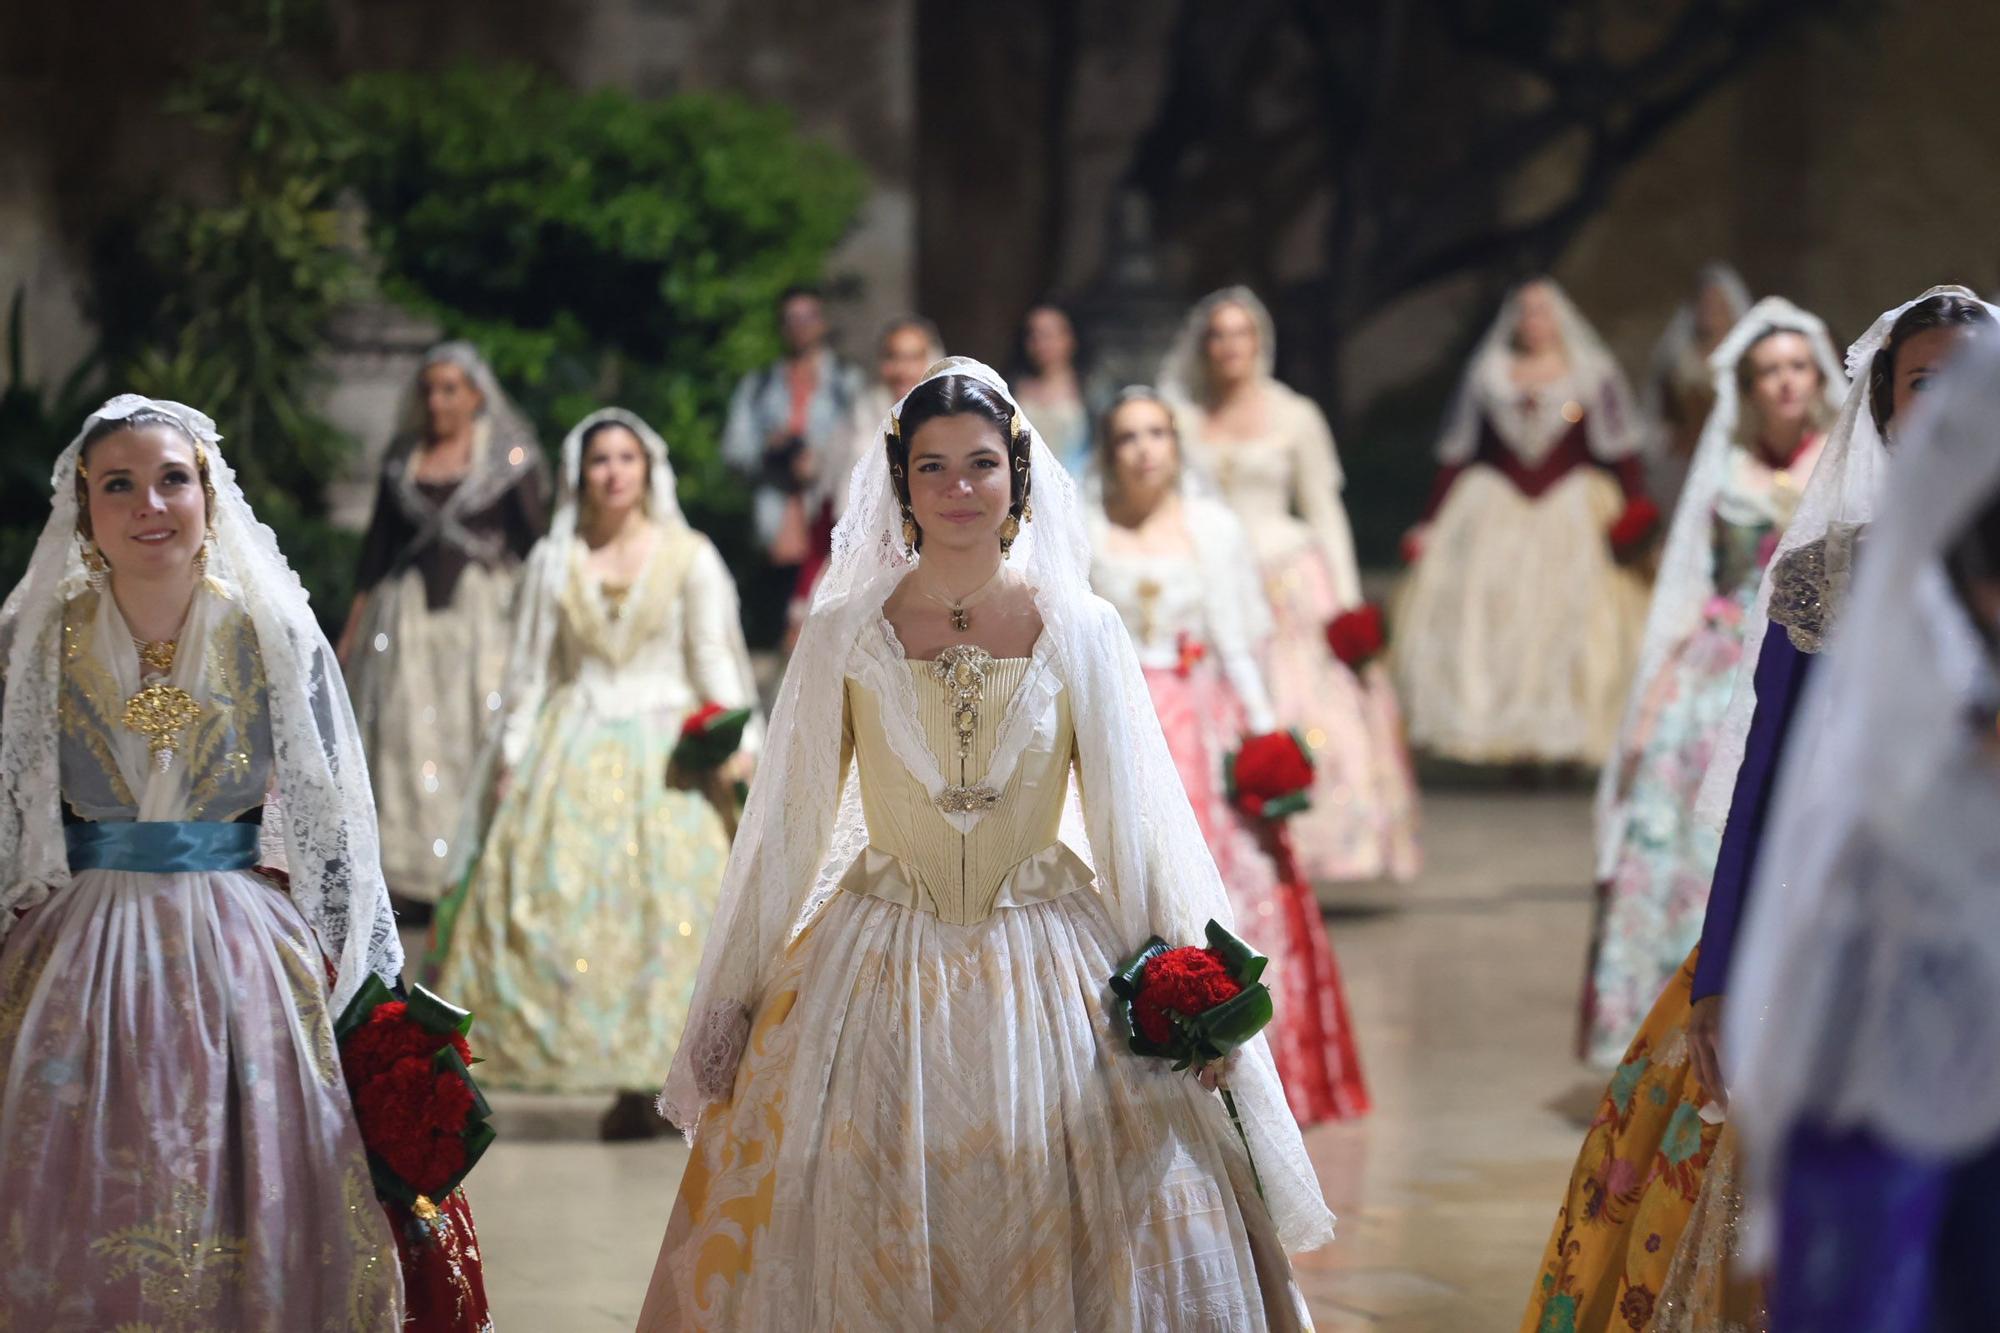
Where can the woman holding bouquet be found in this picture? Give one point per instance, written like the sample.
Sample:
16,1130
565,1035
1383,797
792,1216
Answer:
911,1106
1517,627
1270,454
1176,566
577,927
177,1145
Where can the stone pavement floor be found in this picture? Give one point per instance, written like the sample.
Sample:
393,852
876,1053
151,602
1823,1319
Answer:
1463,986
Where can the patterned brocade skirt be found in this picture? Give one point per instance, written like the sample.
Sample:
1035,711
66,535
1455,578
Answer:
1311,1035
177,1148
934,1126
1363,820
578,933
1646,1236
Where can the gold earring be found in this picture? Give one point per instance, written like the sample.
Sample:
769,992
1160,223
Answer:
95,566
1010,528
910,533
201,555
1027,509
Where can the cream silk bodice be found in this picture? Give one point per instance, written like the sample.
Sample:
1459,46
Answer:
964,767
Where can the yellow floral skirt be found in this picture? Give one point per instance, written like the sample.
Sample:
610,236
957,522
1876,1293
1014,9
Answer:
1612,1261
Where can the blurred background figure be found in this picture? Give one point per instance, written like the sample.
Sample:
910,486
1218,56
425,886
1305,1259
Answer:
1270,455
1181,571
463,496
1517,624
907,346
1679,388
782,420
1049,378
1778,387
576,934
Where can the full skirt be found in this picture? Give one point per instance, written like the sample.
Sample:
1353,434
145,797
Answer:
1650,910
177,1148
1516,632
1632,1201
935,1126
426,687
1363,820
577,935
1311,1036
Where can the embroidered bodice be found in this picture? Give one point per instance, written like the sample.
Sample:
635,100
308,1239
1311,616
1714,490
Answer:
661,645
964,767
225,753
1166,604
1756,503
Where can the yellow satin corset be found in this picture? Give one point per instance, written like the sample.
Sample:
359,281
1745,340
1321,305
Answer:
981,839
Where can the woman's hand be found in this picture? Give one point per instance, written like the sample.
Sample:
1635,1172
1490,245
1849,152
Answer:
1216,1073
1704,1035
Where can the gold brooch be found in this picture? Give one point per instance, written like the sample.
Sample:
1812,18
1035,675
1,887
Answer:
160,712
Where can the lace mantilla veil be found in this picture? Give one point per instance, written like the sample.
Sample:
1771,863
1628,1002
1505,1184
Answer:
802,826
1838,501
1610,417
1677,341
322,800
1867,980
1686,578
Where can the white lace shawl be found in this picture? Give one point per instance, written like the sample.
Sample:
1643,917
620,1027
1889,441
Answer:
1686,578
1866,985
803,827
324,801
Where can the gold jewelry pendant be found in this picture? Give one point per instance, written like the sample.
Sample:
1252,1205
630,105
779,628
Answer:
158,658
160,712
959,620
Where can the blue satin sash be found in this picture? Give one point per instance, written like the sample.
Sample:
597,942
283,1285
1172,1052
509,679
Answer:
161,848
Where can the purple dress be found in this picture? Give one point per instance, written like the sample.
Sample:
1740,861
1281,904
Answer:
1871,1239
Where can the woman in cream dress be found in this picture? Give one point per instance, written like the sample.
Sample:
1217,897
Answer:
578,930
463,496
1517,630
911,1108
1271,456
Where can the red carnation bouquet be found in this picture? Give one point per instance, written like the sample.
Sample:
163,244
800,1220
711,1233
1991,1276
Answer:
710,735
1271,776
1634,529
1193,1005
408,1068
1357,637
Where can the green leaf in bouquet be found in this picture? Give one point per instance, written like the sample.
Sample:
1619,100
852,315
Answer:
1283,807
1245,964
374,993
433,1014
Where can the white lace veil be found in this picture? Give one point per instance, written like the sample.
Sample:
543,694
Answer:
1488,391
1686,578
1866,983
1184,371
1839,499
504,454
802,828
323,798
1679,339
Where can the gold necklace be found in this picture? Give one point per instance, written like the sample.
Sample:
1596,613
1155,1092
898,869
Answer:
960,606
159,711
157,655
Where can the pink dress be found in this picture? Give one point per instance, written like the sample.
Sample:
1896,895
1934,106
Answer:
1196,656
1285,487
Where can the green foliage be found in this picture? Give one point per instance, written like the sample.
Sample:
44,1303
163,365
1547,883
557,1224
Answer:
598,248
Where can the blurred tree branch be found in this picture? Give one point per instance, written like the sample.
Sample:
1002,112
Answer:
1439,137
